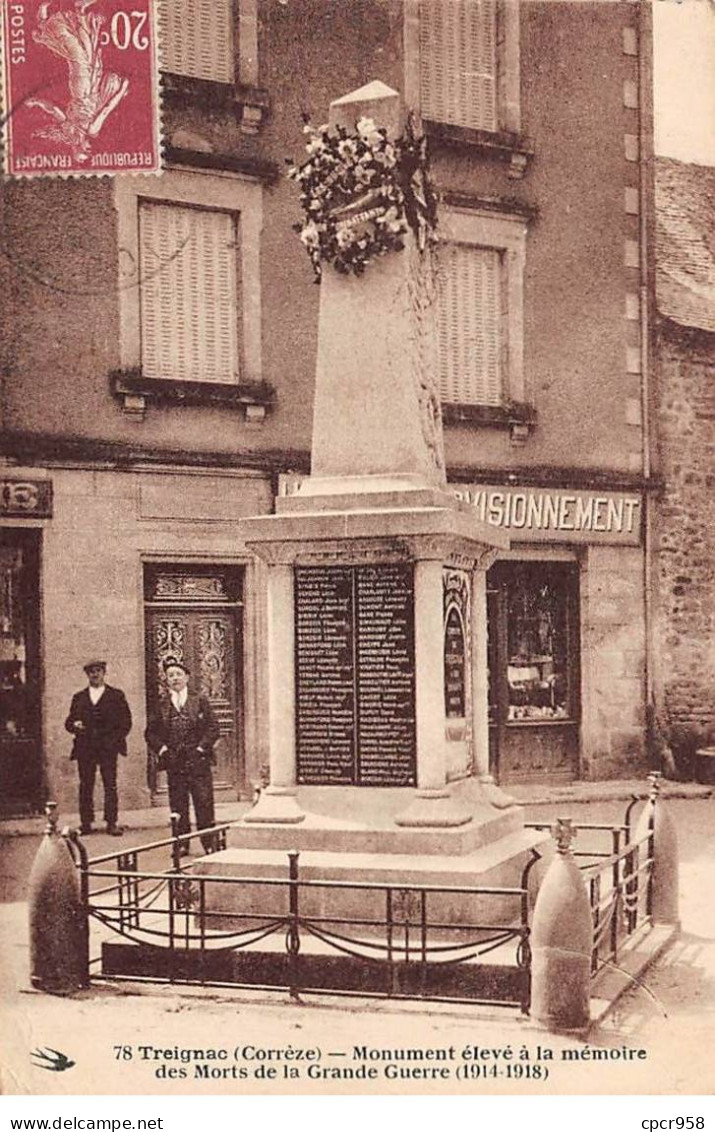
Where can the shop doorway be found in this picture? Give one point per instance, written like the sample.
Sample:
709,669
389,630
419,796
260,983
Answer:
534,671
195,615
21,779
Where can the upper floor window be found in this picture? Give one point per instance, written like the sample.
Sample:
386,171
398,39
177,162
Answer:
462,63
469,326
480,308
197,38
188,263
189,277
458,62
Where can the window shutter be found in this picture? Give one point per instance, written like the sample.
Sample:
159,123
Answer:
469,326
188,293
458,62
197,38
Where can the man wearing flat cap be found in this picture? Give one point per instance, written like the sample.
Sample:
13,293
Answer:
100,720
181,736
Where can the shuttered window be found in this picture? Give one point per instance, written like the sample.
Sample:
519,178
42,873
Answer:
197,38
458,62
470,326
188,293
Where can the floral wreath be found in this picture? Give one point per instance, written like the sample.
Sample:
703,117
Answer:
360,192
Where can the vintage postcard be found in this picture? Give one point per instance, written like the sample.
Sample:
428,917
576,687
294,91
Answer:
357,732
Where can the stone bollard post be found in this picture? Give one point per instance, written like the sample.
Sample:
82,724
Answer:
562,941
58,929
656,822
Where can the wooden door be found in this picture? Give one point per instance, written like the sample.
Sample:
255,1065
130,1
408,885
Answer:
206,636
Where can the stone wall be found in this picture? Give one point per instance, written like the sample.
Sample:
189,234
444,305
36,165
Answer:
613,662
685,640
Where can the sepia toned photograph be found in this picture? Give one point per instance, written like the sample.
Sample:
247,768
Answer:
357,549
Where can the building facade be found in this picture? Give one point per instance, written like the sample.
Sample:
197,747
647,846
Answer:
158,347
685,367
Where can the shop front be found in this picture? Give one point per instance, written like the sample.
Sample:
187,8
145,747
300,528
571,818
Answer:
566,639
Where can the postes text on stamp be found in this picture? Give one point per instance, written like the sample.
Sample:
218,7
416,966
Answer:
80,87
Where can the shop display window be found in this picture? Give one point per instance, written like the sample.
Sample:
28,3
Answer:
21,786
537,681
13,647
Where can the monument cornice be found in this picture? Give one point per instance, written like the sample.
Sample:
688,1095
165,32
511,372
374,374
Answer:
448,549
429,533
332,552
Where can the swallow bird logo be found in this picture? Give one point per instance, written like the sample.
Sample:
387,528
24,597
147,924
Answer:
52,1059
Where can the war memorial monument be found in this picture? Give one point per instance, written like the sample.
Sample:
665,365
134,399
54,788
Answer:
377,603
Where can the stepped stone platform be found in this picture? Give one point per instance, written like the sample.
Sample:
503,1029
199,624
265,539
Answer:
360,820
343,852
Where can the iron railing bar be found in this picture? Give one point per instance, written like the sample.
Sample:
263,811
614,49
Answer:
137,896
626,852
595,826
379,886
164,913
616,884
103,891
160,844
595,901
389,928
294,922
367,886
635,799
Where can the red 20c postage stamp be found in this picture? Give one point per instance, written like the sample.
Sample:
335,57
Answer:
80,87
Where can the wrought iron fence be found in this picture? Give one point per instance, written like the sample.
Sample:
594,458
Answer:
305,935
192,924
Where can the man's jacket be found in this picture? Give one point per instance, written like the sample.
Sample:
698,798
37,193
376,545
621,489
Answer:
105,725
199,737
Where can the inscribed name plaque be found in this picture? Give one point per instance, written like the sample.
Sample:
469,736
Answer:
325,675
454,666
355,675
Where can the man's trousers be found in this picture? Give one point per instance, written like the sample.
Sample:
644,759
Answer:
190,778
87,766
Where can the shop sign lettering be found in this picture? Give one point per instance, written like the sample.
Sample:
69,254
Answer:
25,499
557,515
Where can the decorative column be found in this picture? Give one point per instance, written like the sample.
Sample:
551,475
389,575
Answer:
480,691
480,683
432,804
278,802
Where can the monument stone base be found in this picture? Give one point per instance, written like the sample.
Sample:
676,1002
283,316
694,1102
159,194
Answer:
350,836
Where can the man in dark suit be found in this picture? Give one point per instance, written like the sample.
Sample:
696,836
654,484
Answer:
180,736
100,720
